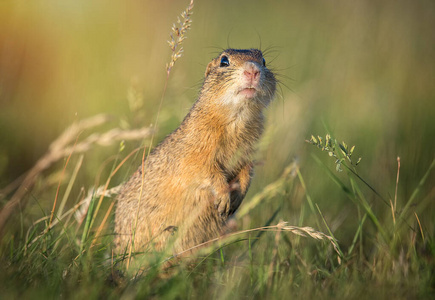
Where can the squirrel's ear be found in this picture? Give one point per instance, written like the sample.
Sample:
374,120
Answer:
209,67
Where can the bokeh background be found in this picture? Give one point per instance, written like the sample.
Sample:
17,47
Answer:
363,71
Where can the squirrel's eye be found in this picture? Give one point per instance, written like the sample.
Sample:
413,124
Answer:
264,62
224,61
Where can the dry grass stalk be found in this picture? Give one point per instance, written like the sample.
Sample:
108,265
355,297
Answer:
177,34
177,37
281,226
394,208
62,147
59,184
80,214
107,193
419,225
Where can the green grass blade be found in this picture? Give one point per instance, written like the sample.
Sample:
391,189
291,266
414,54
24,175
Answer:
417,189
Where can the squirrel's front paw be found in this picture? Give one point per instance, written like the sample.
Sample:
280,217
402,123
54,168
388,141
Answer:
222,205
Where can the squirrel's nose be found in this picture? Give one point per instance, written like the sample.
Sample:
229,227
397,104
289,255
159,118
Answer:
252,72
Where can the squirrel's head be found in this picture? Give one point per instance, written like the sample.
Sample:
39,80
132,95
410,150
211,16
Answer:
240,77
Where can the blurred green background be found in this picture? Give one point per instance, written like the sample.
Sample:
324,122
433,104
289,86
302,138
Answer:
362,70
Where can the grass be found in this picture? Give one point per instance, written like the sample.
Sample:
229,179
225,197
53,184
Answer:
318,222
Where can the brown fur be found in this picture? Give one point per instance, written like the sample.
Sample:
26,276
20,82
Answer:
198,176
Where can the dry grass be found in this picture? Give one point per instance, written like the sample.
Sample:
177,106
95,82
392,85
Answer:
66,145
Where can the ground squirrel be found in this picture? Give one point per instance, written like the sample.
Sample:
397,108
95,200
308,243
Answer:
197,177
